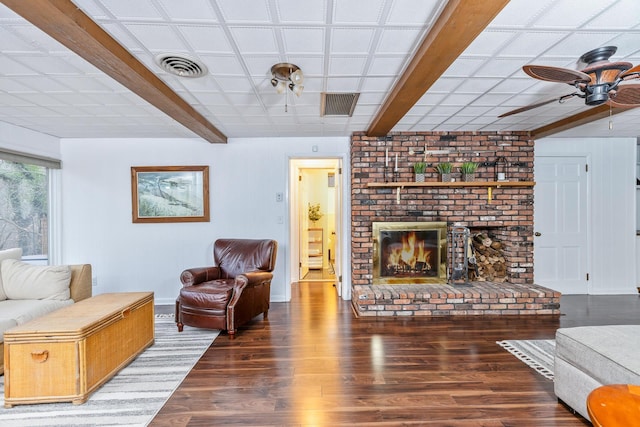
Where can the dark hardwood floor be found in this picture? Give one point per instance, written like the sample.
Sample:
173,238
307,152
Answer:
314,364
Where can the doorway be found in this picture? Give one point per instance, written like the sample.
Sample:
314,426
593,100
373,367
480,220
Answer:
316,219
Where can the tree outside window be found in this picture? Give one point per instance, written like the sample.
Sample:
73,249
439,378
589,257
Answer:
24,208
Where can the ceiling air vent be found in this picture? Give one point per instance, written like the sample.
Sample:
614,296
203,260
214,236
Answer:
180,65
338,104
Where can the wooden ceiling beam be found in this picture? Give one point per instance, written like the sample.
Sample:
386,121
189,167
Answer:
460,22
584,117
65,22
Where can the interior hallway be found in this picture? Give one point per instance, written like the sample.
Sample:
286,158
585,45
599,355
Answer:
314,364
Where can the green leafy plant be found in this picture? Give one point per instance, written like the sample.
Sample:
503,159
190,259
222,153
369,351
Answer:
469,167
314,212
419,167
444,167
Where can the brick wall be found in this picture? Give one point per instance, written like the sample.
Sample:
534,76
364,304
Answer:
509,216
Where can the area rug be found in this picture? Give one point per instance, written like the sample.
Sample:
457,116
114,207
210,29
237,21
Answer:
132,397
538,354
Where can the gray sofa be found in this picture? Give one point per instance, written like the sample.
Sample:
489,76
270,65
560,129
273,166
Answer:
588,357
29,291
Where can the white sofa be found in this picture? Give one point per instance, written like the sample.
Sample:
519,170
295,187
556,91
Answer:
29,291
587,357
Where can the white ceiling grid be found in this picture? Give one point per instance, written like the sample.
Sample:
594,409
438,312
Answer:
341,46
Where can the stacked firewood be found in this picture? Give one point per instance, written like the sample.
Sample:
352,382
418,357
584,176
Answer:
490,265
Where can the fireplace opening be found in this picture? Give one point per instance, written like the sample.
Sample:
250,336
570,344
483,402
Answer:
409,252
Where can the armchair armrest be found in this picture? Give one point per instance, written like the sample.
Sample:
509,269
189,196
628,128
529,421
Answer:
193,276
246,280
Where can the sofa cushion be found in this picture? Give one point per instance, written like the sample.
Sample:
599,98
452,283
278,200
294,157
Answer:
607,353
15,253
6,323
19,311
26,281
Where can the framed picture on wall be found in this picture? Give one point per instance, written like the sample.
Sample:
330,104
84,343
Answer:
170,193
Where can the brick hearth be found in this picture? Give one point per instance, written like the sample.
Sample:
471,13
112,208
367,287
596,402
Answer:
506,216
476,298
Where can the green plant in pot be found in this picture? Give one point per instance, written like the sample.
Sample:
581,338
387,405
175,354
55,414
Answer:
419,168
444,169
468,170
314,213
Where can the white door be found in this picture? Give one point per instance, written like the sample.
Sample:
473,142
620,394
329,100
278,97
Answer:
560,224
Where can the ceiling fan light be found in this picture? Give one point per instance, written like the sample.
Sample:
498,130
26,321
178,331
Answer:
274,82
297,77
297,89
281,87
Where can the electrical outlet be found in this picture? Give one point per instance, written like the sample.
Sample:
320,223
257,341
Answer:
94,281
279,197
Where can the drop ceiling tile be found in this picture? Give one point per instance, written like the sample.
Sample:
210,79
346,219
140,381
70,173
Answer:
410,12
398,40
375,84
519,13
343,84
193,10
357,11
347,66
499,67
356,41
255,40
477,86
489,43
303,40
386,66
578,43
372,98
158,37
127,9
297,12
38,40
532,44
245,12
463,67
12,42
206,39
222,65
458,99
565,14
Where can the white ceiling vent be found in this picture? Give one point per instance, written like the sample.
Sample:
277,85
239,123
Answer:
181,65
338,104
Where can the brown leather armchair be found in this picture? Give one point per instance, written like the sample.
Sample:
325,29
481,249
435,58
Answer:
233,291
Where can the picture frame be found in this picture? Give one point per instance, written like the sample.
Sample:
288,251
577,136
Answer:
165,194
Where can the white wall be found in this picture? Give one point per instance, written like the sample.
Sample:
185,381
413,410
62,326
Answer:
245,175
15,138
612,208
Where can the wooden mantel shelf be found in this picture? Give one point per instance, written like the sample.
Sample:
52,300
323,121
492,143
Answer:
454,184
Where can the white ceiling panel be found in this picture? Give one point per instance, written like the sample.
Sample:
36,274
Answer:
341,46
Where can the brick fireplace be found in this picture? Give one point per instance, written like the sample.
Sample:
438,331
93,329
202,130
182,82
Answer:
502,212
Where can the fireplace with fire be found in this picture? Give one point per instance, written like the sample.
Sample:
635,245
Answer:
409,252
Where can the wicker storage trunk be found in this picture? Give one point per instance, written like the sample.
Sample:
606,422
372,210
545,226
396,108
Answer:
68,354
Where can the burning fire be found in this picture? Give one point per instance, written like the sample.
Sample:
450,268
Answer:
411,256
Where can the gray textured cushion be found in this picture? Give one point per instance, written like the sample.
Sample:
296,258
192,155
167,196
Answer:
607,353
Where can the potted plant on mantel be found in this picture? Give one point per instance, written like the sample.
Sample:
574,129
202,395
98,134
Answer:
419,168
444,169
468,170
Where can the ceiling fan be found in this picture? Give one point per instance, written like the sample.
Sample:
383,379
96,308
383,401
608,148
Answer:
600,81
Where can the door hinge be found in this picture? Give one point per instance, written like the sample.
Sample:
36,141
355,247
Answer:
340,278
299,177
339,171
586,168
587,277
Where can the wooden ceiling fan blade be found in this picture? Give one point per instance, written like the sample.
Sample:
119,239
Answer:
538,104
556,74
631,73
626,96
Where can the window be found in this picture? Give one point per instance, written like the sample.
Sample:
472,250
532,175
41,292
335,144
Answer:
24,204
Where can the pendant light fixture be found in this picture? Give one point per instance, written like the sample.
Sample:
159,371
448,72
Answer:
286,75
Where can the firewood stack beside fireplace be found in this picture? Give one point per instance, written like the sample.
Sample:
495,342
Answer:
490,262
